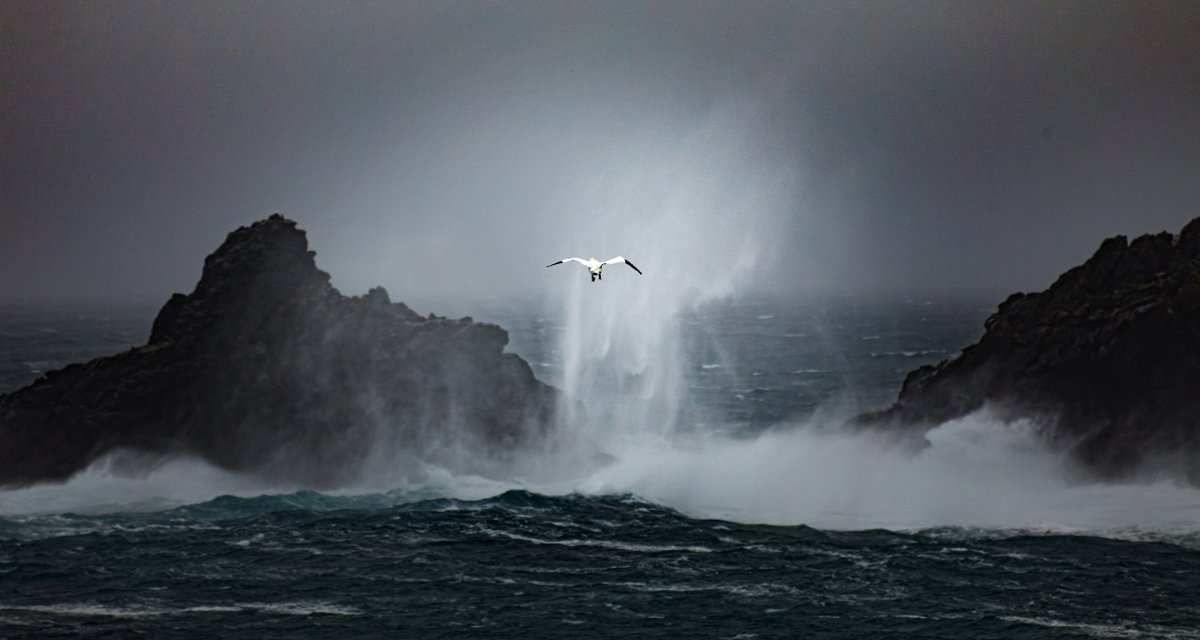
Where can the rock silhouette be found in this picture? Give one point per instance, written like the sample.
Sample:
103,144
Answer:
266,368
1106,362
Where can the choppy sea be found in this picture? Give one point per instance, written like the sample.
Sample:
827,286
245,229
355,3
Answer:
751,519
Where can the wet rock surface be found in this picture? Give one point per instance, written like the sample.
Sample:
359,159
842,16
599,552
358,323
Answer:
1105,362
266,368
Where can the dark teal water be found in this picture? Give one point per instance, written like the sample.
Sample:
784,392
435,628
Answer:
422,563
522,565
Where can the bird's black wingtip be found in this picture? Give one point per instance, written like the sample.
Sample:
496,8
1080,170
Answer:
634,268
554,263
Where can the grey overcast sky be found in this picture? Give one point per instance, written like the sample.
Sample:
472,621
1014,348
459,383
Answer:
451,149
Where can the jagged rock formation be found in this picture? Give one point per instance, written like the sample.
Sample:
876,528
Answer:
1106,361
267,368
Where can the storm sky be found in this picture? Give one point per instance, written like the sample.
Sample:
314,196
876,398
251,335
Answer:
452,149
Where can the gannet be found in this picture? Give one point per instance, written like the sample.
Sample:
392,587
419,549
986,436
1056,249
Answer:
595,266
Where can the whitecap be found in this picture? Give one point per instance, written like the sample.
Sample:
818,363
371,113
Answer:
299,608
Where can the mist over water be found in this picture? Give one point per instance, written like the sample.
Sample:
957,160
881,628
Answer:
701,213
699,221
978,472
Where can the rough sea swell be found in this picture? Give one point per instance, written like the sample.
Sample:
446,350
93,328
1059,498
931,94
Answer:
757,524
527,565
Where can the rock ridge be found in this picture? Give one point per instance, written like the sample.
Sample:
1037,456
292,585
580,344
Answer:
1106,361
265,368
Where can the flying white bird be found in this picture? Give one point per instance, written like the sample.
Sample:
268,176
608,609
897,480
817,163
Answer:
595,266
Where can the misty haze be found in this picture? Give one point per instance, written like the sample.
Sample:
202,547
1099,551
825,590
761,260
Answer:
911,347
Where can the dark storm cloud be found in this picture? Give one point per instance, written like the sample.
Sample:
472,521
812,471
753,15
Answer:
936,145
996,143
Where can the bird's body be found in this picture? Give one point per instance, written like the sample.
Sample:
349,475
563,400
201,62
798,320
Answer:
595,267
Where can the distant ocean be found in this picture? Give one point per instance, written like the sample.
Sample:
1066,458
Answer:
744,514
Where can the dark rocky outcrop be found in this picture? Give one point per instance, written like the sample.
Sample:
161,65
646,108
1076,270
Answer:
267,368
1106,361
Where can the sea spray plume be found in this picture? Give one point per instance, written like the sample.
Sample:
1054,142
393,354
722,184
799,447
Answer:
703,211
265,368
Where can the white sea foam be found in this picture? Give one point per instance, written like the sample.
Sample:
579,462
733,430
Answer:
599,543
1125,630
301,608
101,488
977,472
105,487
622,357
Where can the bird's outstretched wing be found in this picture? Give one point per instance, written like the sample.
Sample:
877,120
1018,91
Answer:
622,259
579,260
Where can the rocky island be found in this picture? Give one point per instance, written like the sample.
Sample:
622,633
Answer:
266,368
1105,362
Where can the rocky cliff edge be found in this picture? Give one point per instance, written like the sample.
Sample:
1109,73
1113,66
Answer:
1106,362
267,369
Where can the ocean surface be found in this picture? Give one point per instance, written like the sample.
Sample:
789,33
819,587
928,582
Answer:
752,516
